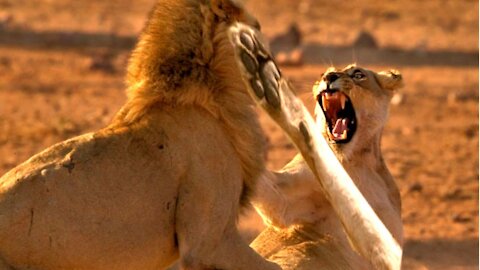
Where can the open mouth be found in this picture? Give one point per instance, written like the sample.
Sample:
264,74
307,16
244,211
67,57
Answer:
340,115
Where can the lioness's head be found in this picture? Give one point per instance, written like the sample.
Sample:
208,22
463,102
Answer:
352,104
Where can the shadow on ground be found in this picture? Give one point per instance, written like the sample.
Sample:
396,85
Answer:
52,40
341,55
314,53
441,253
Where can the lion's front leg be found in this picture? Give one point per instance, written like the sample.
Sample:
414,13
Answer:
206,216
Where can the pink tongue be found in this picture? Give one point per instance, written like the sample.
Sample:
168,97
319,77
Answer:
340,126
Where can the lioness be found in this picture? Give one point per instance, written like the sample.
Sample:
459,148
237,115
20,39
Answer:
308,229
165,179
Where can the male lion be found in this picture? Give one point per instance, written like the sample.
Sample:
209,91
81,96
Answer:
316,225
165,179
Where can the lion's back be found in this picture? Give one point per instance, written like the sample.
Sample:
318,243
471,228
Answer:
113,188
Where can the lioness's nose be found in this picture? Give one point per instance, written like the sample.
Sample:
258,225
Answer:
331,77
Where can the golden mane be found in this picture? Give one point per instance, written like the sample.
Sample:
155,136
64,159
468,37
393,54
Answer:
200,72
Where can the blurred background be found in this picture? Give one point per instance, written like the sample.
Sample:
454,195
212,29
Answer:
62,66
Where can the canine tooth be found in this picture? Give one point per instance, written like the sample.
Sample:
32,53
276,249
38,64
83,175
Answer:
344,135
343,99
324,103
329,95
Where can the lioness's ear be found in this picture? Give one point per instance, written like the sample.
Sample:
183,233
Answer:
390,80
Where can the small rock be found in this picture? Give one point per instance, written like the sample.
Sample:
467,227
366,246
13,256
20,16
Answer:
286,47
365,40
416,187
461,96
459,218
5,62
471,132
456,194
102,62
408,131
288,41
391,15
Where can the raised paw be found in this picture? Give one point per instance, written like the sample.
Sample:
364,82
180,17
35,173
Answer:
256,65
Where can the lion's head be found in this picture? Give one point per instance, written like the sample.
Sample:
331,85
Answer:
352,105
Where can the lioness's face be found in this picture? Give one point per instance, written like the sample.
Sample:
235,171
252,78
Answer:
353,103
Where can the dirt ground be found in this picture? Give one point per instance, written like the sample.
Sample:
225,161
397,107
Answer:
62,65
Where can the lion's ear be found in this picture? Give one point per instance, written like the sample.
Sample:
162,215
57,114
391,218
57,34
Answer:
390,80
227,8
233,11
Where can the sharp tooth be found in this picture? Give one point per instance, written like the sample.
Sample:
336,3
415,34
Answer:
344,135
342,101
329,95
325,104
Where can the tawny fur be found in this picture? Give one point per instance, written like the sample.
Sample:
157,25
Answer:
164,181
303,230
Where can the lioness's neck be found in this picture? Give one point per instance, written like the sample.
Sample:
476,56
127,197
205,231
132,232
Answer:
368,154
295,196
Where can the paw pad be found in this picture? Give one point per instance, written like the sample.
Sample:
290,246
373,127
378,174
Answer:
260,68
257,88
247,41
269,76
249,63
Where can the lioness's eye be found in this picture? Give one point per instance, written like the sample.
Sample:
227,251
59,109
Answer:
358,75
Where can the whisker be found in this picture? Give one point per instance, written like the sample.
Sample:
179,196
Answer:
354,56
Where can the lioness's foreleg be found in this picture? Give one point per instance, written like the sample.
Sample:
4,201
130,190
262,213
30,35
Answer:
206,223
273,93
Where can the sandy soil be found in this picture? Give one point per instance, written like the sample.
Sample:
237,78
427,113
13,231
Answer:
61,74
